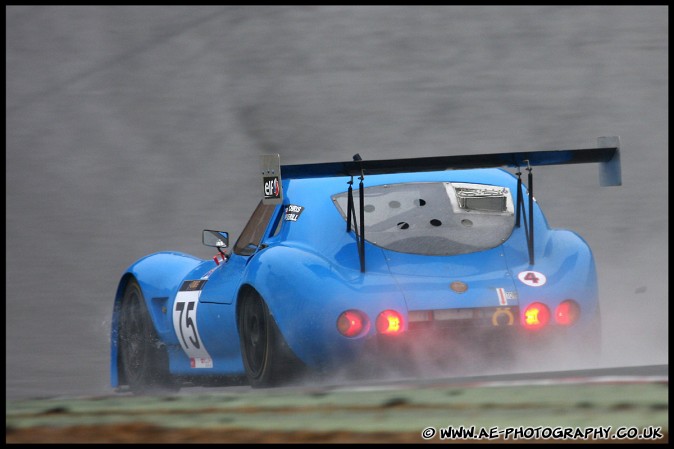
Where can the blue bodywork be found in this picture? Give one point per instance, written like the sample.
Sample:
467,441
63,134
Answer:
308,273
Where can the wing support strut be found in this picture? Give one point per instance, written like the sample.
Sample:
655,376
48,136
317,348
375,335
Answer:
351,212
528,226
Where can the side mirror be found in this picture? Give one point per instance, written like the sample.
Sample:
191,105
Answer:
216,239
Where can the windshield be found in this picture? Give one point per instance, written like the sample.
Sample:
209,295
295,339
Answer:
434,218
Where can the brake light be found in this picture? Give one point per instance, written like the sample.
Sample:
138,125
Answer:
351,323
536,316
389,322
567,312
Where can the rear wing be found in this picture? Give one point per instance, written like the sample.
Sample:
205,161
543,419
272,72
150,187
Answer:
607,154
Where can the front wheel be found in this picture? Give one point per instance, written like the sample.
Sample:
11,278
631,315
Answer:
267,359
142,355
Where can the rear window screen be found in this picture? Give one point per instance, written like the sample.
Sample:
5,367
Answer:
434,218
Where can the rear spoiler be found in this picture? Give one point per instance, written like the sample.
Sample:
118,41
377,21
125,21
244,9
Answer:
607,154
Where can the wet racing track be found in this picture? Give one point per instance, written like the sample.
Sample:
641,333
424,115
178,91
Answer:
598,405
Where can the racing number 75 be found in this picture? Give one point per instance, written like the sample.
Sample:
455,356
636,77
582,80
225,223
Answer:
188,323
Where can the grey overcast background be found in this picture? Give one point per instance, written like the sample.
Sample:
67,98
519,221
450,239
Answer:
132,128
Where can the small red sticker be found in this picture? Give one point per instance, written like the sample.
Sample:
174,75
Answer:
502,300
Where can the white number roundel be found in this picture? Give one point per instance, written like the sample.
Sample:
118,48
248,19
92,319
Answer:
532,278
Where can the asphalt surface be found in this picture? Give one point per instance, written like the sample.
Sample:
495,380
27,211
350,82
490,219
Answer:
129,129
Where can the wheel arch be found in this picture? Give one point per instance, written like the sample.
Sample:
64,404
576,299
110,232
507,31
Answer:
245,290
116,374
158,276
282,363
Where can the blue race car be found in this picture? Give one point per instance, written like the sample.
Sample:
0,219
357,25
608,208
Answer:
423,253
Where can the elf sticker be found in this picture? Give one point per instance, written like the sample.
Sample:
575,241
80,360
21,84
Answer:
532,278
272,188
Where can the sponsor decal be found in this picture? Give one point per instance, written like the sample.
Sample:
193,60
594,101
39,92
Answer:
272,189
502,301
185,324
201,362
532,278
293,212
190,286
504,296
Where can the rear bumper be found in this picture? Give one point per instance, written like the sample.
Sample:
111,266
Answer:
430,349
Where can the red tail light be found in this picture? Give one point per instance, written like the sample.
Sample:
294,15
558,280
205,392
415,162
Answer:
351,323
567,313
536,316
389,322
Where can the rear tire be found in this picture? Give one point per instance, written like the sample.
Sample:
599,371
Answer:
266,357
142,355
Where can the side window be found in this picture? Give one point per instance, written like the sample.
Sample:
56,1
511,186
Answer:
253,232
